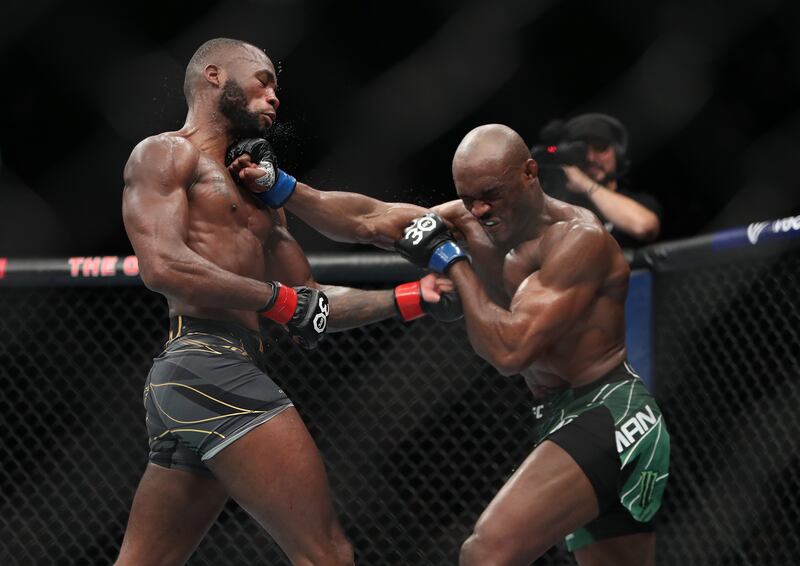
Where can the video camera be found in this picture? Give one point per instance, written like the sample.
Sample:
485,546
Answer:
564,153
566,143
552,152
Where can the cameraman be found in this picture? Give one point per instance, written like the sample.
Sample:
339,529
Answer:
597,182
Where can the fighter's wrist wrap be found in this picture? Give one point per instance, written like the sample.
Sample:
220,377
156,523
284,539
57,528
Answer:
408,298
444,255
278,185
428,243
282,305
281,190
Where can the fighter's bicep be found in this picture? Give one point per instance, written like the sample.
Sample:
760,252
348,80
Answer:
155,207
552,299
155,214
550,310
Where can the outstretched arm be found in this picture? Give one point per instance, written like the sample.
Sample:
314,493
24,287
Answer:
352,217
544,306
350,308
341,216
155,211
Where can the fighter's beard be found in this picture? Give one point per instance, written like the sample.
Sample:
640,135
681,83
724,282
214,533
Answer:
233,105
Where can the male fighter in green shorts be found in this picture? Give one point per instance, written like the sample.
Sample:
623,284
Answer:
543,288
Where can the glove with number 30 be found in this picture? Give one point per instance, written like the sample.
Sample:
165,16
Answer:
304,311
428,243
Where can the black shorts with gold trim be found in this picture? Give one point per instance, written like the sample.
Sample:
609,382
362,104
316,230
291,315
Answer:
206,389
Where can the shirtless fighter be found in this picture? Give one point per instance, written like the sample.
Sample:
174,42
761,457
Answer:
218,426
543,288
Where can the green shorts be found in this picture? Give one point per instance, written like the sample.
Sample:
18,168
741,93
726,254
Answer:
614,430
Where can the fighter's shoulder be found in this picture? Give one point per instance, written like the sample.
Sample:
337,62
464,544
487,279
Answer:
582,231
167,153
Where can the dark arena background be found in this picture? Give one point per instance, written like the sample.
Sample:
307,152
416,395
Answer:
416,431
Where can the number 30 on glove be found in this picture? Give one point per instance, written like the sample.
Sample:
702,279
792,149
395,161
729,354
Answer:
303,310
427,243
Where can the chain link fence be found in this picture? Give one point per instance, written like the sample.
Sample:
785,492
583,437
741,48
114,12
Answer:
727,366
416,431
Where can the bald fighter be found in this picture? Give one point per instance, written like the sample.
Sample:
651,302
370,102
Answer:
218,425
543,288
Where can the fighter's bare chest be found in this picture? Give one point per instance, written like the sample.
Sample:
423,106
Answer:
215,200
502,275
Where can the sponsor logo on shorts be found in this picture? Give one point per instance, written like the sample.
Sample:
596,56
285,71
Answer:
538,411
634,428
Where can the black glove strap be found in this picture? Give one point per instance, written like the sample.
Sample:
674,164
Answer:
272,299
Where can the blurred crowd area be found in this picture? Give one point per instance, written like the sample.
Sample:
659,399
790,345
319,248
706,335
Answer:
376,96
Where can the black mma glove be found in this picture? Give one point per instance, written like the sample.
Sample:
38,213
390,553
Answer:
278,186
448,309
304,311
410,304
427,243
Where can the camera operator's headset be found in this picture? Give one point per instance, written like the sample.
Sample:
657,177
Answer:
619,134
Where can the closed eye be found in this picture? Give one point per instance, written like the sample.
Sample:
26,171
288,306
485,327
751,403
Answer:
489,196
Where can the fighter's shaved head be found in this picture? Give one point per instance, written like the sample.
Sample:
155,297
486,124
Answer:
217,51
492,147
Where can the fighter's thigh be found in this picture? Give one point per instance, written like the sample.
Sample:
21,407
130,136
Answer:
546,498
629,550
276,473
171,511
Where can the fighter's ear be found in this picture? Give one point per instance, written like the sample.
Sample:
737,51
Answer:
531,168
213,74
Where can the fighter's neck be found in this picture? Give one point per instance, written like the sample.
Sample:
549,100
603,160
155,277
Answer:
543,215
207,132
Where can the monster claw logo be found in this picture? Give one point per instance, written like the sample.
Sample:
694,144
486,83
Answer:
754,231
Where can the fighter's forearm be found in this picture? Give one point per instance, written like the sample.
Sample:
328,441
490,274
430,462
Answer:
351,308
352,217
627,214
190,278
492,330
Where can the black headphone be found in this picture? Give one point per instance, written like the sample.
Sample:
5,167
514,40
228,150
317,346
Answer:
600,124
